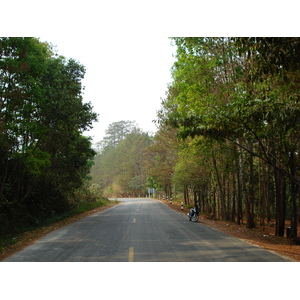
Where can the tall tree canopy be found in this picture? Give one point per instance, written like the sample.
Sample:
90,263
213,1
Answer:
117,131
244,93
44,156
118,167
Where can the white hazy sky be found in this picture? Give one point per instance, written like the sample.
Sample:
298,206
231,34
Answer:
126,76
124,45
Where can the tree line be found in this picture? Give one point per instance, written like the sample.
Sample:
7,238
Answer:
228,132
235,103
118,169
44,156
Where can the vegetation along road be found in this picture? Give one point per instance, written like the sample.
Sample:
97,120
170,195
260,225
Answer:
140,230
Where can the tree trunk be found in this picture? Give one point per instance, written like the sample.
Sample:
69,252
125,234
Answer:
221,191
250,199
280,187
240,185
262,193
294,194
186,195
228,204
195,197
268,185
233,212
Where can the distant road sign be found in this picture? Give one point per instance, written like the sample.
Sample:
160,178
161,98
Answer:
151,191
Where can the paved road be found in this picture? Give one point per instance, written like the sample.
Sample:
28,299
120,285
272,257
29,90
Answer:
140,230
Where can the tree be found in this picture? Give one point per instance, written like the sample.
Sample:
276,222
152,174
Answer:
117,131
189,174
244,91
44,156
119,165
161,157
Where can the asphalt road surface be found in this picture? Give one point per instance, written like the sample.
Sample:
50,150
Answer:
140,230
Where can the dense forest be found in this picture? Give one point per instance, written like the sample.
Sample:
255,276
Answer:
118,168
44,156
227,134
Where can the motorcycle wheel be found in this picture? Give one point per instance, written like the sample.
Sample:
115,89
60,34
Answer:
195,218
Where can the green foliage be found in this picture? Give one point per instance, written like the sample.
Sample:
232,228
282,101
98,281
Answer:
36,162
191,169
237,92
160,158
118,168
44,156
117,131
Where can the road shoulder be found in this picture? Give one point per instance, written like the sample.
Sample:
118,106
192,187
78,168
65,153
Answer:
29,237
256,236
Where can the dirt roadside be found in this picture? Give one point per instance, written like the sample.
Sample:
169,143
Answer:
264,238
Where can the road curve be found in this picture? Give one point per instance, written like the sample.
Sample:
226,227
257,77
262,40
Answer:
140,230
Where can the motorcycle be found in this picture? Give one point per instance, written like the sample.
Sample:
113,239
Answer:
193,215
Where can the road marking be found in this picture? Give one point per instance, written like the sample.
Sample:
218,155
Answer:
131,254
134,220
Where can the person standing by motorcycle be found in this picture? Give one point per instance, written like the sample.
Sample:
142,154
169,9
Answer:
194,211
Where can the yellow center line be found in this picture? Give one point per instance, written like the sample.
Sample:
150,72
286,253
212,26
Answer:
134,220
131,254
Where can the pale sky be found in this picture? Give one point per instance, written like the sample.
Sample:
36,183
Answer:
126,76
124,45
